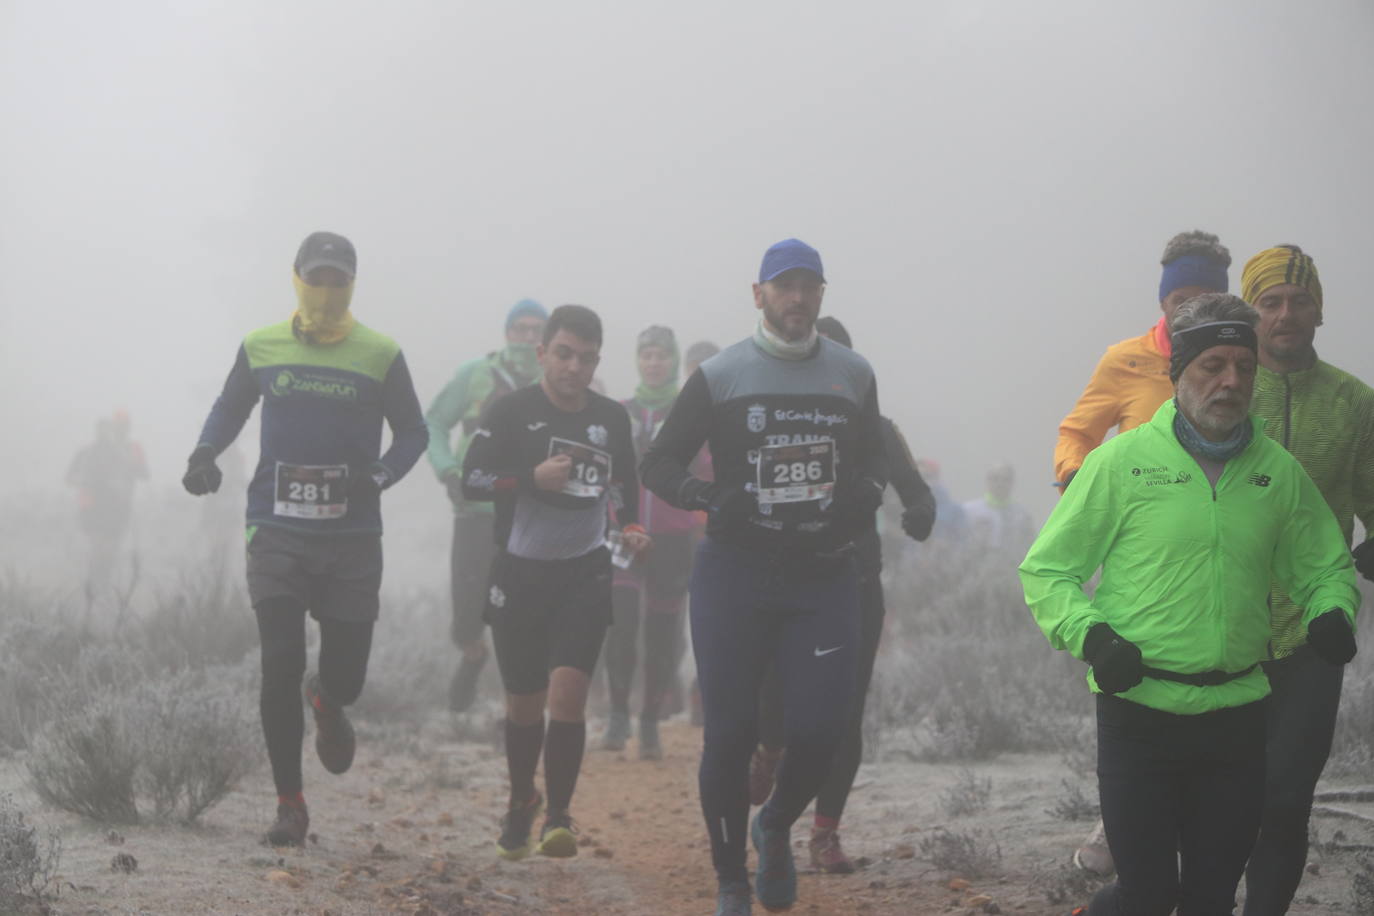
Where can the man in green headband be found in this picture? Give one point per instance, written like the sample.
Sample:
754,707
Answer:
478,384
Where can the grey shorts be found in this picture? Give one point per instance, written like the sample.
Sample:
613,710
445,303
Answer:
335,576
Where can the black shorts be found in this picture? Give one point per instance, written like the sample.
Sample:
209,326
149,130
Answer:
547,614
336,576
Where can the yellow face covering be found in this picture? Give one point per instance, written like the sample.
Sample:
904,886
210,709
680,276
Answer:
1274,266
322,314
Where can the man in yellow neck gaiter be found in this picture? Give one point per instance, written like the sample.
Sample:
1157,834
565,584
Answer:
323,276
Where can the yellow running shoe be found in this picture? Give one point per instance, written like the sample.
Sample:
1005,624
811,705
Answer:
516,826
558,839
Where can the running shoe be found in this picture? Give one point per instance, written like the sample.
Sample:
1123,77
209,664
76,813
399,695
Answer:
826,854
734,899
650,748
334,738
775,881
617,732
558,839
462,690
763,768
1094,856
516,827
291,826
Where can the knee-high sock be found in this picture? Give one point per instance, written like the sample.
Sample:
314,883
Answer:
563,747
523,745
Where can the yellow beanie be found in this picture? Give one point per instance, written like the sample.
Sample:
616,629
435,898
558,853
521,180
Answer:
1280,264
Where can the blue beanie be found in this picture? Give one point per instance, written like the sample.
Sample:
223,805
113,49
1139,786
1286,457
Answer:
1193,270
526,308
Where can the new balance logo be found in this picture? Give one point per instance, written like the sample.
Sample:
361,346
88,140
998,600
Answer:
1260,480
535,427
819,651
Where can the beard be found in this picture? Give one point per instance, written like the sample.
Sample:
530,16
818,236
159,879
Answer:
789,330
1216,421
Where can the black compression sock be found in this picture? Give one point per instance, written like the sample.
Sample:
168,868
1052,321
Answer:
523,744
562,761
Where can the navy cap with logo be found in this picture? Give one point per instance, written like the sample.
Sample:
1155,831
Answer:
326,249
788,255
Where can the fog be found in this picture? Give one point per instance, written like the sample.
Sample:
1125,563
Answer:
990,184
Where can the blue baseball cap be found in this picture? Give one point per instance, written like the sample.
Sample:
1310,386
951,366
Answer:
789,254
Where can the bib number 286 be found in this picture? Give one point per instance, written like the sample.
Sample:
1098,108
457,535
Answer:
796,473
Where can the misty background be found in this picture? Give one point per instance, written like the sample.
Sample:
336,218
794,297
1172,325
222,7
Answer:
990,185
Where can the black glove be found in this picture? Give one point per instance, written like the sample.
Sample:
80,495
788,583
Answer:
1364,559
1068,479
374,480
202,476
1330,637
1116,663
919,520
862,497
454,484
725,505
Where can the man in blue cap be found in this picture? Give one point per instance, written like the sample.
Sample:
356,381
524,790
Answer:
477,385
797,453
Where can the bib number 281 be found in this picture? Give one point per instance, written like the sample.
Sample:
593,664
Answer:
315,491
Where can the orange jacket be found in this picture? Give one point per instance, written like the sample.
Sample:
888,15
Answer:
1128,385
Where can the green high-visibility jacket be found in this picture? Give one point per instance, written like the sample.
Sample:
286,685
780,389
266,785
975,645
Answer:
1186,569
1325,418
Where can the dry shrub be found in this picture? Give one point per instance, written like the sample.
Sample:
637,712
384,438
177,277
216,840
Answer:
968,795
179,742
974,854
28,862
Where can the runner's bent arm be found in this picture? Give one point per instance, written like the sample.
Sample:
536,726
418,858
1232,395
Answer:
489,466
911,487
447,411
625,483
1097,411
664,469
1070,548
401,408
232,407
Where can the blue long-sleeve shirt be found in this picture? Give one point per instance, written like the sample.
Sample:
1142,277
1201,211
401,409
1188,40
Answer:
322,413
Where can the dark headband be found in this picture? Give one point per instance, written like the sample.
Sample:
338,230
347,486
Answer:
1190,343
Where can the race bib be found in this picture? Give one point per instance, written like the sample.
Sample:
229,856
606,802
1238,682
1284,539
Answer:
591,467
796,473
311,490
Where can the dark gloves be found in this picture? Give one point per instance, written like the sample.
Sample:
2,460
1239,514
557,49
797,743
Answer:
862,497
919,520
725,505
374,480
1330,637
1068,479
454,484
1116,663
1364,559
202,476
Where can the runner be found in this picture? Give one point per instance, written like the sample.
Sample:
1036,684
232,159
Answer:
1325,418
918,517
797,455
996,522
104,474
552,456
1132,378
1127,387
478,384
1189,517
657,581
314,511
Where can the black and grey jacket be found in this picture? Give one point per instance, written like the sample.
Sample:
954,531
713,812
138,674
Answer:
750,407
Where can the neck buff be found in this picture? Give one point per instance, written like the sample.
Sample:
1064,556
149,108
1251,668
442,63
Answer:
1281,264
521,361
1192,270
1161,332
1194,443
1189,344
322,315
774,345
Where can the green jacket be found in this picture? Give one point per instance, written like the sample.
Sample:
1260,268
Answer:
1325,418
477,384
1185,569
